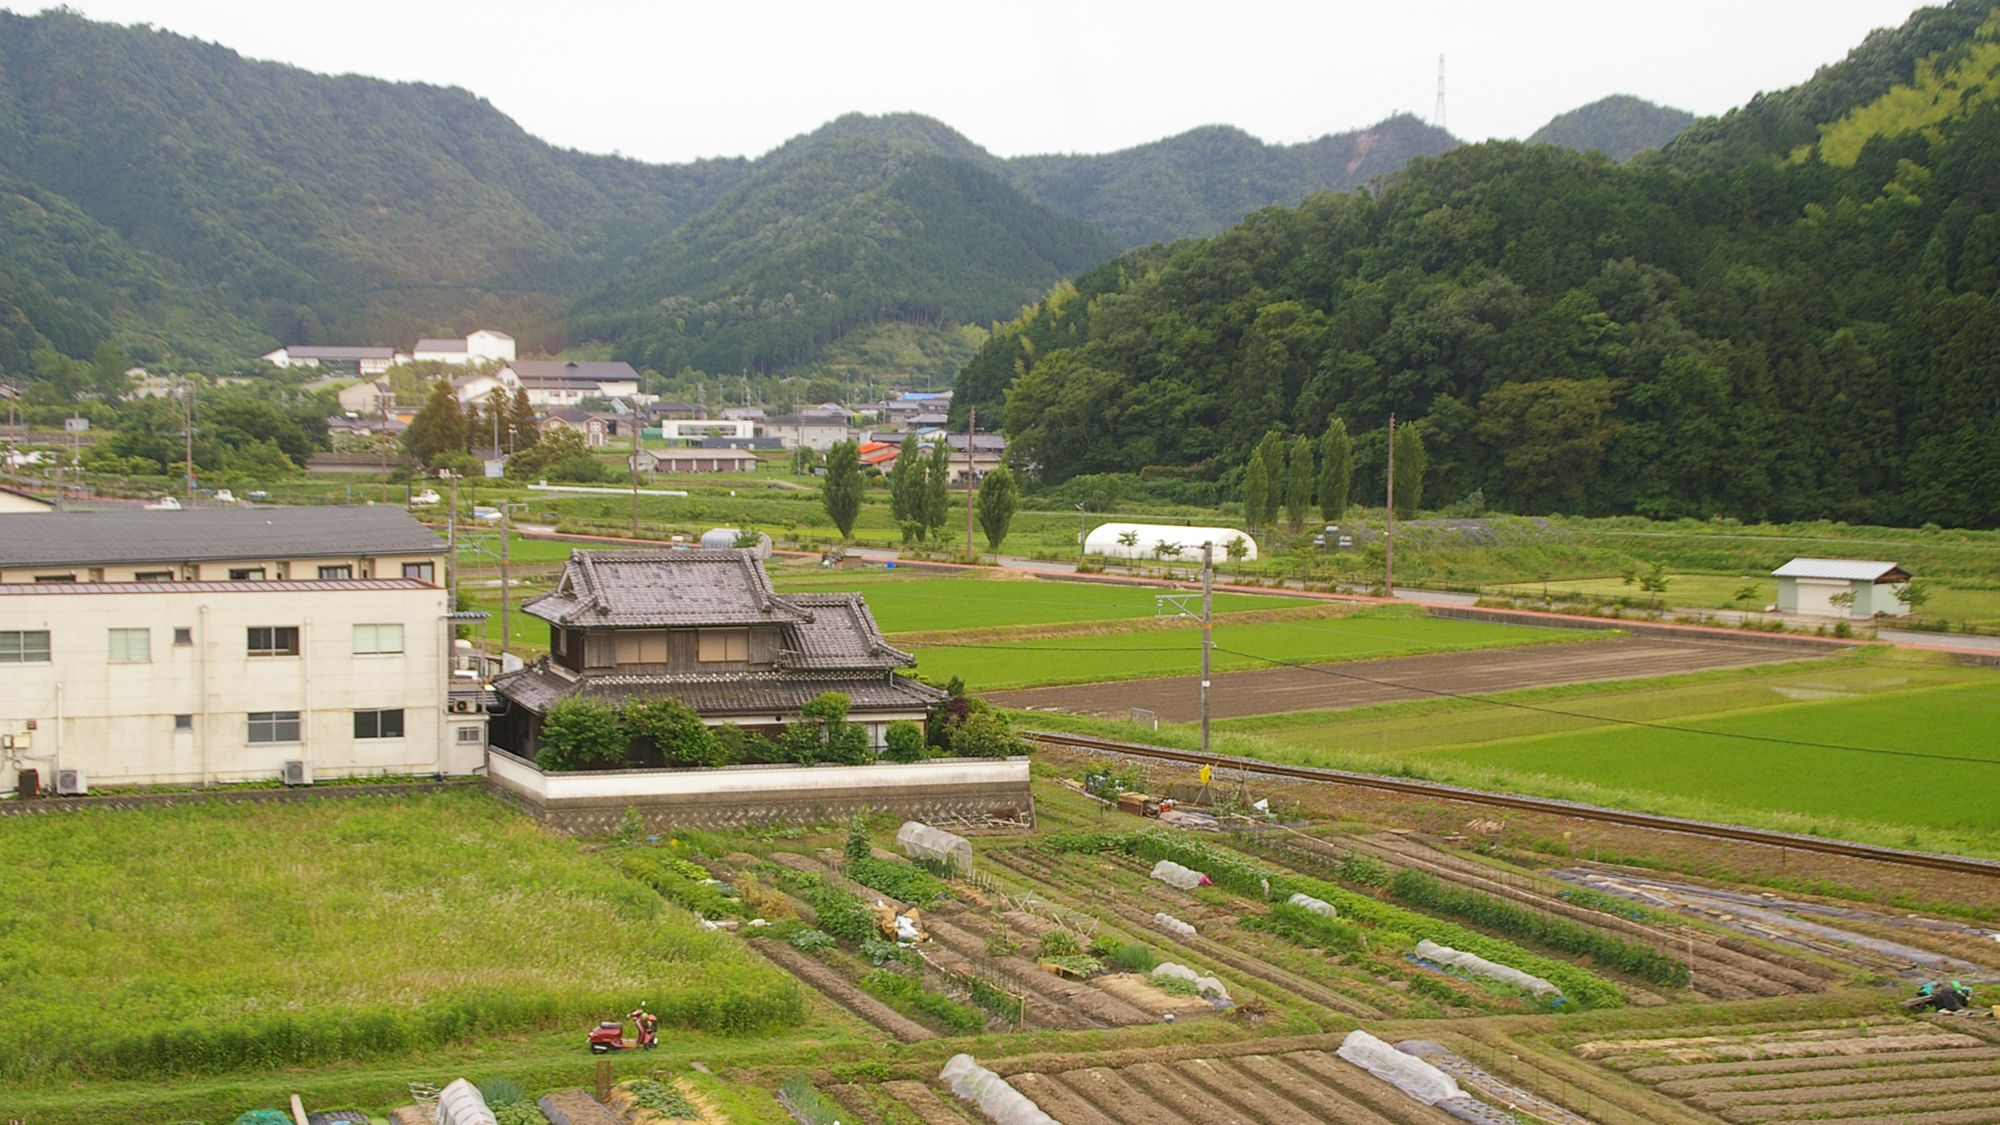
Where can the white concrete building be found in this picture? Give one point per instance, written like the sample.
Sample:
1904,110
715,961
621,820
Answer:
364,362
1864,588
558,382
138,683
477,347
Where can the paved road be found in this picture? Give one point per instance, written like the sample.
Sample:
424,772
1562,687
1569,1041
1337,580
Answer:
1938,640
1396,679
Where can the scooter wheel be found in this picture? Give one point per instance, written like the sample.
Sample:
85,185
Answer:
599,1049
650,1046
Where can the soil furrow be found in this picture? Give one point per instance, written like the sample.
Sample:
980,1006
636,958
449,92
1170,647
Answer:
1110,1093
1367,1089
1096,1008
1909,1111
1058,1101
1310,1095
1834,1068
1853,1091
1230,1084
925,1103
1188,1099
830,985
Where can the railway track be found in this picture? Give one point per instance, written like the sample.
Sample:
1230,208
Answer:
1960,865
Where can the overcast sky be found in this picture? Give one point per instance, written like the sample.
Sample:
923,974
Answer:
670,80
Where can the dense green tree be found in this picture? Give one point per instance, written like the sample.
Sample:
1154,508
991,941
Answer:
823,734
1256,488
439,429
840,491
674,729
1412,463
1552,436
1336,469
1298,480
937,488
581,733
998,497
906,489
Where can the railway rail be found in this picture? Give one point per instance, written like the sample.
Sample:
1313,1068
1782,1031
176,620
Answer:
1960,865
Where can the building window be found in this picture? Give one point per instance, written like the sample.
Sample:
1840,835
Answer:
184,636
336,572
468,734
378,724
422,572
55,577
131,645
649,647
374,640
274,640
153,576
715,646
274,726
24,647
246,574
183,722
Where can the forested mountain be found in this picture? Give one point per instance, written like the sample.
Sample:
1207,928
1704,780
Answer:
1205,180
1617,126
864,221
1805,332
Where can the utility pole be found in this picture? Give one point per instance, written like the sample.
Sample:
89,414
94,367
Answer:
451,541
187,433
1207,622
971,420
1079,536
1389,538
1437,115
384,445
636,424
506,590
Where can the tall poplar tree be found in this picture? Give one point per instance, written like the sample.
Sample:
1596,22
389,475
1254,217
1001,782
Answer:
1412,459
1272,446
998,497
1298,480
1256,488
1336,469
937,487
840,494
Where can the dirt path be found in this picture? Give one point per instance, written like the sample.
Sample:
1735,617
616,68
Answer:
1273,691
840,992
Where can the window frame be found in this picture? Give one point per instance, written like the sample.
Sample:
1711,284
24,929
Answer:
152,576
704,637
272,648
247,573
370,724
467,735
183,723
275,724
344,571
643,644
20,652
426,572
402,638
183,636
112,646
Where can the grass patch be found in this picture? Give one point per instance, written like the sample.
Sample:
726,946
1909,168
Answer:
904,605
215,937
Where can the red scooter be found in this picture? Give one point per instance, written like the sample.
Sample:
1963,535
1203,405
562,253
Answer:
609,1036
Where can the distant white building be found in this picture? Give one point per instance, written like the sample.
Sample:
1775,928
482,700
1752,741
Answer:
484,344
554,383
364,362
1183,544
1865,588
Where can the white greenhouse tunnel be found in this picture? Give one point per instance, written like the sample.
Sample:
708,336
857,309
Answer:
1144,540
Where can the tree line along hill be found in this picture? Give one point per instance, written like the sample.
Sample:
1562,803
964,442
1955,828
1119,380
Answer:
1788,312
197,208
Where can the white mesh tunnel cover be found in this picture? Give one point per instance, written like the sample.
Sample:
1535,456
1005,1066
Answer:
1201,983
1174,875
921,841
1481,967
992,1094
1317,906
1411,1075
461,1103
1168,922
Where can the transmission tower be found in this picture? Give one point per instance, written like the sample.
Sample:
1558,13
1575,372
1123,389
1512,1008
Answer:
1437,117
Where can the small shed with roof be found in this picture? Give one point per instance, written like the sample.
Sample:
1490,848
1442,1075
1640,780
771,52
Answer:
1811,587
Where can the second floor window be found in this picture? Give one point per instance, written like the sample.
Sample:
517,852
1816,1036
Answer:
274,726
336,572
131,645
422,572
29,646
713,646
378,724
372,640
274,640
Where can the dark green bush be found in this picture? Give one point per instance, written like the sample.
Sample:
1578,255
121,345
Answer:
908,996
897,880
1421,889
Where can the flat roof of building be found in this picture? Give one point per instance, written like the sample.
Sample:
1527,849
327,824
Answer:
280,586
1851,570
100,538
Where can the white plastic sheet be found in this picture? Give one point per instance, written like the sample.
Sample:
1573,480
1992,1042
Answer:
1174,875
1324,909
1201,983
1413,1076
1001,1102
461,1103
921,841
1168,922
1481,967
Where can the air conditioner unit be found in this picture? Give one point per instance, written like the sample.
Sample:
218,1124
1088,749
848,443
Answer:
298,773
71,783
23,741
465,706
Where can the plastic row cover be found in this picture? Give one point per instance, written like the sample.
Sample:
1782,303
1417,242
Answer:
1317,906
1169,922
1174,875
1413,1076
1481,967
921,841
461,1103
1201,983
1001,1102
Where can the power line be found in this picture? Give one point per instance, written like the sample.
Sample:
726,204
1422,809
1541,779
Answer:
1610,719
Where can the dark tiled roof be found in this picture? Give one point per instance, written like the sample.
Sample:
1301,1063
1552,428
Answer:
312,351
592,371
840,634
655,589
431,345
98,538
539,686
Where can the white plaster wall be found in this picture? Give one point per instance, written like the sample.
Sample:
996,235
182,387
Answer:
732,781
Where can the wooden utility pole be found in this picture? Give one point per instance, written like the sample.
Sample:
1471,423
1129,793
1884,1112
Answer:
506,591
971,418
1389,538
636,424
451,542
187,434
384,445
1207,622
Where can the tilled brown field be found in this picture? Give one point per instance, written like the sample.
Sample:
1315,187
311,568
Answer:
1361,683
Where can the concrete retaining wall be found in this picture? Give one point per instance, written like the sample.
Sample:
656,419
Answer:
593,803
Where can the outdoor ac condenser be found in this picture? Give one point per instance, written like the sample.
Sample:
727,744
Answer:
71,783
298,773
464,706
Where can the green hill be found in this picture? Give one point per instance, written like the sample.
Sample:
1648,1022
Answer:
1205,180
1617,126
1803,338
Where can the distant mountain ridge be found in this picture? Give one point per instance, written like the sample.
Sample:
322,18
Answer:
1618,126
